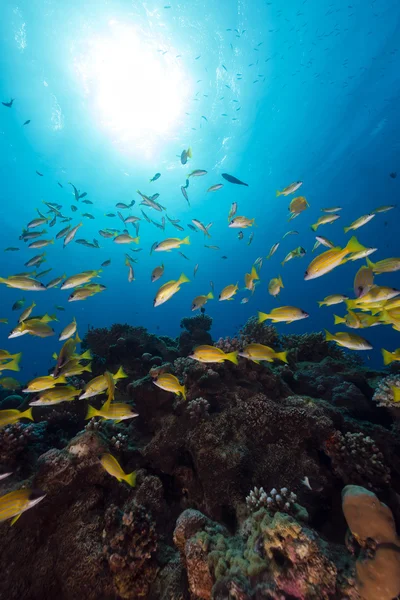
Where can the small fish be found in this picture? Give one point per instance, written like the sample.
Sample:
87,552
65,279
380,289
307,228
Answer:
132,219
274,248
9,104
197,173
90,289
290,189
233,179
38,173
125,206
348,340
241,222
359,222
59,307
11,249
106,263
71,234
363,281
325,219
113,468
215,187
56,395
212,247
259,352
183,255
232,211
156,176
11,416
10,383
286,314
116,412
100,384
63,232
332,300
250,278
298,205
106,234
157,273
23,283
13,504
68,331
244,300
228,292
35,327
131,275
36,260
40,243
79,279
362,253
40,384
171,243
110,215
251,237
388,265
240,235
211,354
88,215
200,301
324,241
333,209
292,232
170,383
329,260
18,304
196,267
200,226
275,286
167,290
36,223
185,155
382,209
43,273
298,252
55,282
125,238
375,294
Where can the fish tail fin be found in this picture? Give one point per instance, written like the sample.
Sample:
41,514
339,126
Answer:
253,222
346,229
210,296
328,336
320,303
88,368
3,280
232,356
262,317
183,392
27,414
186,241
131,479
120,374
370,264
314,227
86,355
15,519
387,357
189,152
77,338
353,245
91,412
13,365
282,356
53,317
136,239
280,281
278,193
61,379
254,274
396,393
350,304
338,320
183,279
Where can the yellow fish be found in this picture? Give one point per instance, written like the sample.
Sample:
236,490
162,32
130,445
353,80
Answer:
116,412
9,362
200,301
275,285
10,383
34,327
43,383
298,205
112,466
170,383
13,504
125,238
332,300
10,416
228,292
241,223
363,281
250,278
286,314
359,222
157,273
26,313
74,367
389,357
324,220
348,340
388,265
168,290
396,393
330,259
171,243
79,279
56,395
290,189
362,253
211,354
23,283
376,294
100,384
259,352
68,331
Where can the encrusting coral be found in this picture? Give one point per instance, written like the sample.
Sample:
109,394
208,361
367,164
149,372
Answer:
372,525
357,459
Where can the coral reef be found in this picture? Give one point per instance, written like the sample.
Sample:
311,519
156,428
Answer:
312,347
372,525
383,395
19,439
198,409
197,333
357,459
275,501
251,332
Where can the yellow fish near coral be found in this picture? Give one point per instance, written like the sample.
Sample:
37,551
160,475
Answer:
396,393
389,357
56,395
348,340
13,504
169,289
275,286
228,292
10,416
112,466
212,354
100,384
115,412
200,301
9,362
250,278
259,352
170,383
43,383
286,314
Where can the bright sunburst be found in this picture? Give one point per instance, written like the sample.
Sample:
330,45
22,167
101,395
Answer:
138,92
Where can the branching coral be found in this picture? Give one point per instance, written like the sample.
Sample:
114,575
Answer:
117,439
275,501
357,459
16,438
198,409
130,542
383,395
251,332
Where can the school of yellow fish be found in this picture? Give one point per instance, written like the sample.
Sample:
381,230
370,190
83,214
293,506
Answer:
372,305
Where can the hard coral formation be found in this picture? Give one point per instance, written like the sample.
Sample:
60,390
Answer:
18,439
251,332
357,459
311,347
383,395
275,501
196,334
372,525
130,542
198,409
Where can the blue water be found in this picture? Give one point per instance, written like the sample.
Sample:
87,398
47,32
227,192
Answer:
116,90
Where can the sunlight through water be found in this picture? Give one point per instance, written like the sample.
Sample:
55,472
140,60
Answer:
138,92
